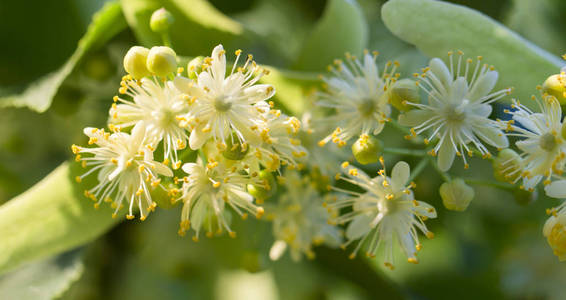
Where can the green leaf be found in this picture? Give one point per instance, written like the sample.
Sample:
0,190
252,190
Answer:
436,27
341,29
291,88
51,217
46,279
39,94
198,26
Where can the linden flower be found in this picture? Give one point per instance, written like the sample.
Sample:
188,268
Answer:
542,145
206,192
457,110
299,220
385,212
358,95
555,231
126,169
158,105
225,104
278,143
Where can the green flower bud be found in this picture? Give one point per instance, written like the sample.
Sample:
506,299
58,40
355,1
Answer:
456,195
135,62
404,90
555,85
523,197
162,61
507,166
195,66
268,189
235,151
366,149
161,20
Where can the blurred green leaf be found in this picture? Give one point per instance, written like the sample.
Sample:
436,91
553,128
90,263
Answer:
49,218
39,94
436,27
198,26
341,29
46,279
292,88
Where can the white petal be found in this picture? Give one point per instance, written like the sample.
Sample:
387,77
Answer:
138,135
400,175
556,189
548,225
458,90
446,155
439,69
198,138
492,136
415,117
483,85
359,226
218,63
189,168
162,169
277,250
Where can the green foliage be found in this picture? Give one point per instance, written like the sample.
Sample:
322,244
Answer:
208,26
45,279
341,29
49,218
437,27
39,94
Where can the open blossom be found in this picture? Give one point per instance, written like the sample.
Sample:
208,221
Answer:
459,104
278,142
357,93
206,192
555,231
384,213
225,103
542,145
126,169
157,104
299,220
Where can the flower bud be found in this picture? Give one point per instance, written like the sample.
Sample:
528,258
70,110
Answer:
366,149
234,149
404,90
135,62
195,66
456,195
507,165
162,61
268,189
161,20
555,232
555,85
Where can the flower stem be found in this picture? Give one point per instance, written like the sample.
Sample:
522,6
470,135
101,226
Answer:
166,39
495,184
407,152
442,174
419,168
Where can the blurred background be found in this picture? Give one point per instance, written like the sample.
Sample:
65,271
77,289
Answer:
495,250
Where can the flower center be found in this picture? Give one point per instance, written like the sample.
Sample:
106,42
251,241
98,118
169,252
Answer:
222,104
388,206
547,142
455,114
164,117
557,239
366,107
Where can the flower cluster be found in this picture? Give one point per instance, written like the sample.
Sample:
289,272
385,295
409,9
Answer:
218,126
226,117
